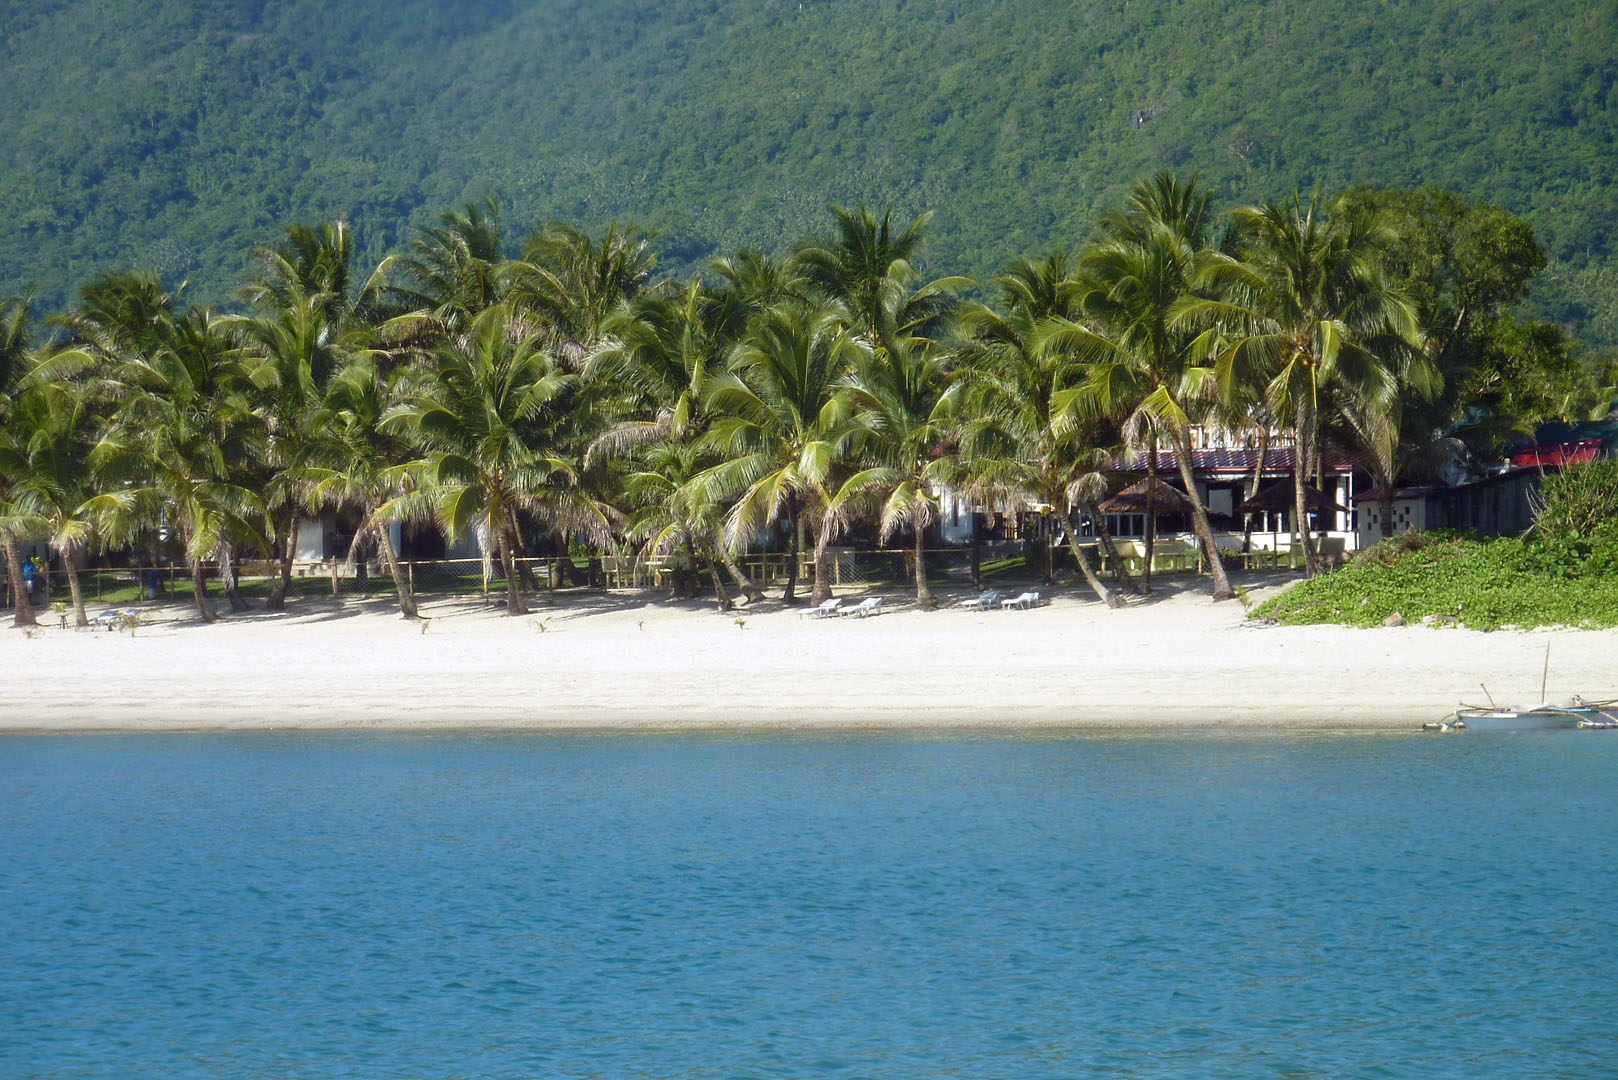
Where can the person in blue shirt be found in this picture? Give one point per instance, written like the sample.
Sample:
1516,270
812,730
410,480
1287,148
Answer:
28,571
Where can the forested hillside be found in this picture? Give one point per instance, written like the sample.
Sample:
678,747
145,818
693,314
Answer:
177,136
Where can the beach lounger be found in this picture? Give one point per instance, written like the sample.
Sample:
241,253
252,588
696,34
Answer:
820,611
108,620
983,601
1025,601
871,605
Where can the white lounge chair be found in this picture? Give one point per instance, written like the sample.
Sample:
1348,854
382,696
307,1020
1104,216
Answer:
983,601
112,617
821,610
1025,601
871,605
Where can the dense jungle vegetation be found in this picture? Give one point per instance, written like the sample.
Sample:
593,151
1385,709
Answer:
178,137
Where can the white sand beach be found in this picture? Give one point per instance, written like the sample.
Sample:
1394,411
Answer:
634,662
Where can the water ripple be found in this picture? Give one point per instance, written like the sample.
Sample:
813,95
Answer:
341,906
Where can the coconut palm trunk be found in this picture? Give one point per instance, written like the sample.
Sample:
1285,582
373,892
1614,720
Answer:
1253,486
977,550
70,567
22,608
1199,522
401,587
230,579
1304,438
508,564
1104,594
286,532
1050,549
821,591
924,592
199,592
738,576
794,540
1384,505
1120,566
1151,508
720,595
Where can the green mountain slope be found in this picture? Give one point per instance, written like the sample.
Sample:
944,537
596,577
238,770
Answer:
178,136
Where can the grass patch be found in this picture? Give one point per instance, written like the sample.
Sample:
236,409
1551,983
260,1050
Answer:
1483,584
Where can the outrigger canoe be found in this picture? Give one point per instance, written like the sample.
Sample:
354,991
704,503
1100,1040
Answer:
1573,714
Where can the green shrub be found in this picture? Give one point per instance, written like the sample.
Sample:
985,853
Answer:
1578,506
1483,584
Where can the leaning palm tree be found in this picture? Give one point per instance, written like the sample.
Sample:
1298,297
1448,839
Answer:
488,425
1142,367
1011,451
904,428
1308,306
781,428
350,461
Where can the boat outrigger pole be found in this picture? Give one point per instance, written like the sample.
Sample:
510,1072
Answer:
1545,677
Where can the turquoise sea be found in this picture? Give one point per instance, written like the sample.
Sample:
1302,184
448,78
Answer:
377,906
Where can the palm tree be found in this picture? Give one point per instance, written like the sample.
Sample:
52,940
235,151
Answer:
311,317
1139,368
781,428
292,353
1145,367
906,402
1010,448
14,353
867,267
45,474
655,364
489,422
351,461
754,282
673,511
454,268
182,438
573,283
1309,307
314,262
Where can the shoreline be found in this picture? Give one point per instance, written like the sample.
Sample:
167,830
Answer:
625,663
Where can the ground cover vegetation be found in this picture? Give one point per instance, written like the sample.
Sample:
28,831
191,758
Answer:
557,391
1560,574
176,137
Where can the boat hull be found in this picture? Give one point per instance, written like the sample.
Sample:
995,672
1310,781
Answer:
1552,719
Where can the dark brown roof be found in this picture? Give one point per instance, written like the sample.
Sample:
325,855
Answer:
1281,496
1168,500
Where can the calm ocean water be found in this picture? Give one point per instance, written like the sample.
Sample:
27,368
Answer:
327,905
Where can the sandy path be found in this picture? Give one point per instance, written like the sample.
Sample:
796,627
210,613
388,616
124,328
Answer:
623,661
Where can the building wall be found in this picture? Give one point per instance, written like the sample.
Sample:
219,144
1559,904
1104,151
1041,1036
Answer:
1409,515
1497,506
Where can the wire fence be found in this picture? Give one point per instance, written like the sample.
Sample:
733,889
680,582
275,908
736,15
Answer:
443,578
